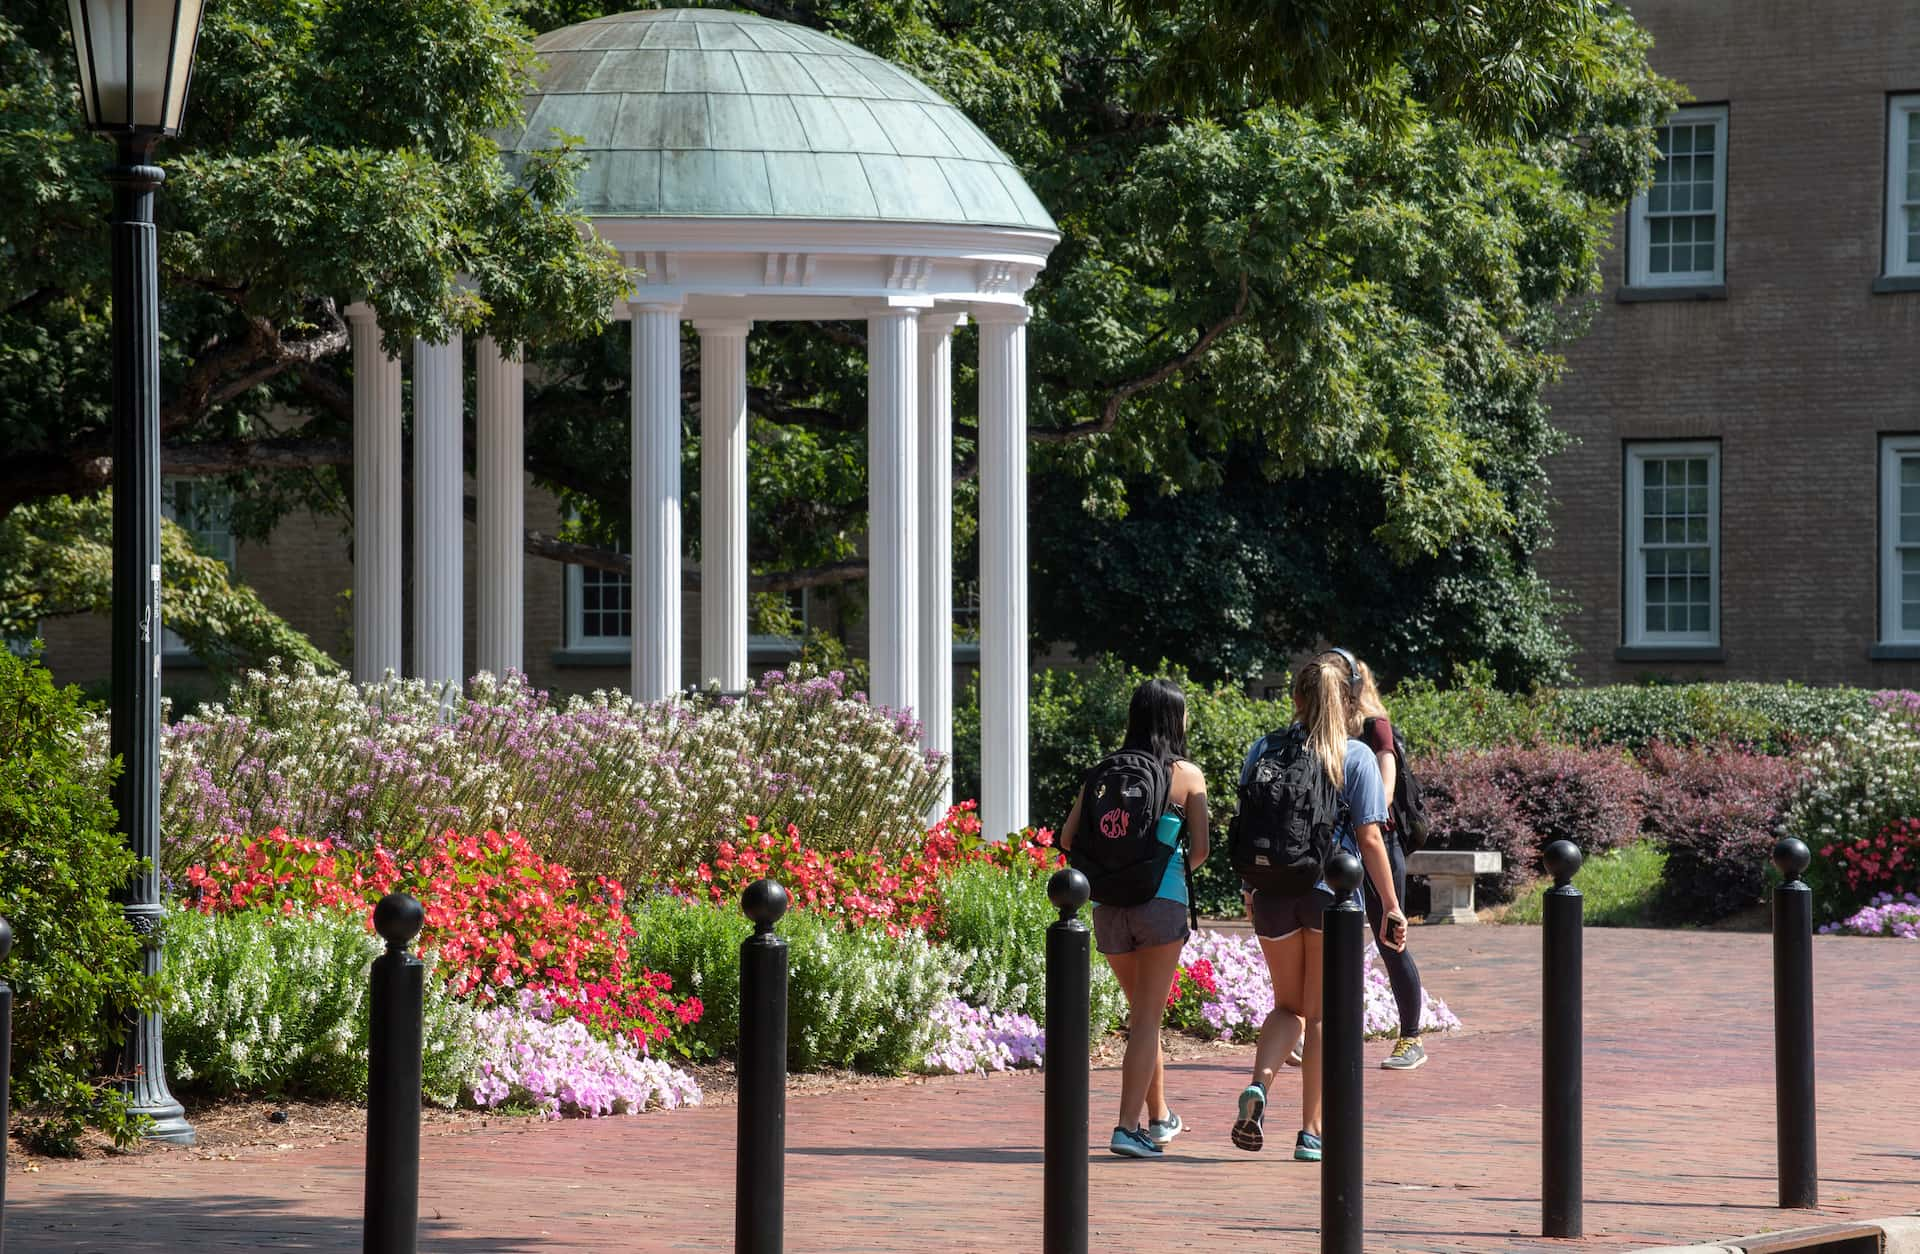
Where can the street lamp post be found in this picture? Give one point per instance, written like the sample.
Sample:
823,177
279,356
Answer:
136,59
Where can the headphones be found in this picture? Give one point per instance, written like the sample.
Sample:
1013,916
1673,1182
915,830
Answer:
1353,669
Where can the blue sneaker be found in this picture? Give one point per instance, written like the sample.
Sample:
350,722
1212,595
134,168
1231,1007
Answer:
1163,1130
1133,1143
1306,1147
1247,1132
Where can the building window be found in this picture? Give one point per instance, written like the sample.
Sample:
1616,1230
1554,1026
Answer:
599,609
1673,544
1903,185
1679,224
1900,543
205,511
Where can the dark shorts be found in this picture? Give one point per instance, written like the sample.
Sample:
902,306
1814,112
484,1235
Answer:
1123,929
1277,916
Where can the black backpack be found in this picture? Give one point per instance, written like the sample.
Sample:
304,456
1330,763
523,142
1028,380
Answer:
1409,813
1289,811
1116,846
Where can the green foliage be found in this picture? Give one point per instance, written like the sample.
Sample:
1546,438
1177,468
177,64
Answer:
1770,718
75,967
1470,713
261,1002
855,998
1619,889
56,559
997,919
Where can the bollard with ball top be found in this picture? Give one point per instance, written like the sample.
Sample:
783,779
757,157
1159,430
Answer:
1069,1031
393,1081
1343,1029
759,1182
6,1068
1561,1068
1793,1026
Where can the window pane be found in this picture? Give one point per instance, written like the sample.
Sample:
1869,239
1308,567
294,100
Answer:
1660,230
1651,499
1696,531
1676,500
1909,470
1656,618
1703,195
1697,471
1702,618
1699,561
1657,261
1656,563
1703,257
1656,590
1703,137
1913,178
1683,139
1697,500
1654,471
1660,198
1682,231
1698,591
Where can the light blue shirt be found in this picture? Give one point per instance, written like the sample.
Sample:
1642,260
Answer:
1361,789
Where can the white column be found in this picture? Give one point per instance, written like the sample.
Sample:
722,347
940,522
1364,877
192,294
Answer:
439,512
936,540
893,643
376,501
1003,569
656,500
723,503
500,482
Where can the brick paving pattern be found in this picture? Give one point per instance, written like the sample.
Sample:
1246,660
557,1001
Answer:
1679,1139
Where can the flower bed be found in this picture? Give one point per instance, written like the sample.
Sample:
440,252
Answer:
604,784
1885,915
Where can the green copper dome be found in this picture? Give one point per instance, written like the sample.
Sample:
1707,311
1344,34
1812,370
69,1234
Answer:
715,114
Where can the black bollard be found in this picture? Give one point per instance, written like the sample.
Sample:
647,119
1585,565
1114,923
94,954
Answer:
1793,1027
1069,1014
759,1180
6,1069
393,1082
1343,1029
1560,1060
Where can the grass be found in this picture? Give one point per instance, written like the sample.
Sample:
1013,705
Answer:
1619,887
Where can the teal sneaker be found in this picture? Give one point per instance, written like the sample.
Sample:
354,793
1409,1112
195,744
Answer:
1247,1132
1306,1147
1133,1143
1160,1131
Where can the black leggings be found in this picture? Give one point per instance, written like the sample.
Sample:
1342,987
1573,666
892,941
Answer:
1402,974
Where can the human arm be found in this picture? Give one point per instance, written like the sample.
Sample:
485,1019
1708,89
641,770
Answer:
1070,827
1373,855
1380,739
1190,793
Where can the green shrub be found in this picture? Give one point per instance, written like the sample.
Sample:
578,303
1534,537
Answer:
855,998
1618,889
1470,714
261,1002
997,920
1769,718
75,967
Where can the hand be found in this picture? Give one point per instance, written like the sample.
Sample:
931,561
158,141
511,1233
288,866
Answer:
1393,931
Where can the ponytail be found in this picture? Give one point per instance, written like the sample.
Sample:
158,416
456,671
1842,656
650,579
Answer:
1320,705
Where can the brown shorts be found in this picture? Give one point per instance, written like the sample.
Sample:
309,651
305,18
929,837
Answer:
1277,916
1123,929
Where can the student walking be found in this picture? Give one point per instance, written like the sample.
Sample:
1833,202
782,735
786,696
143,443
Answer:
1124,834
1305,791
1371,725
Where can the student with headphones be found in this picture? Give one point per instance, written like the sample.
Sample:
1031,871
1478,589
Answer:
1311,770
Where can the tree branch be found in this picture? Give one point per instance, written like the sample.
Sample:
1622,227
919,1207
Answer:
280,453
1110,413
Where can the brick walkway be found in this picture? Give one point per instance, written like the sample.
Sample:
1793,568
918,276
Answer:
1679,1139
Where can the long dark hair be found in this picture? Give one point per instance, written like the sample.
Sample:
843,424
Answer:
1157,720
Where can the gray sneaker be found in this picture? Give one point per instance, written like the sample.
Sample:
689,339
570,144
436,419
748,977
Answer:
1133,1143
1407,1054
1163,1130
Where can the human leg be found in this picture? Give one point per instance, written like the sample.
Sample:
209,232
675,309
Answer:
1310,1071
1152,973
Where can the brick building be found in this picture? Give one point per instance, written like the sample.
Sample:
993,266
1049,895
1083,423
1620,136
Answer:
1743,501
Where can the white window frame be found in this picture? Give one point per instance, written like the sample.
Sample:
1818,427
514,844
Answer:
1636,567
226,548
577,639
1638,274
1893,450
1895,261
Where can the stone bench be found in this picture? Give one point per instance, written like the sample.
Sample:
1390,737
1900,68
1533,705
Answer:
1449,873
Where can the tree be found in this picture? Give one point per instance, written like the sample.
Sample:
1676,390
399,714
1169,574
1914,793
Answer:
1341,263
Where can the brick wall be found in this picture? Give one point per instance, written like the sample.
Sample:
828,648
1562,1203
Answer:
1797,372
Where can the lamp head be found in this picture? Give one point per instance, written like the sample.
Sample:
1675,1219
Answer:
136,62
